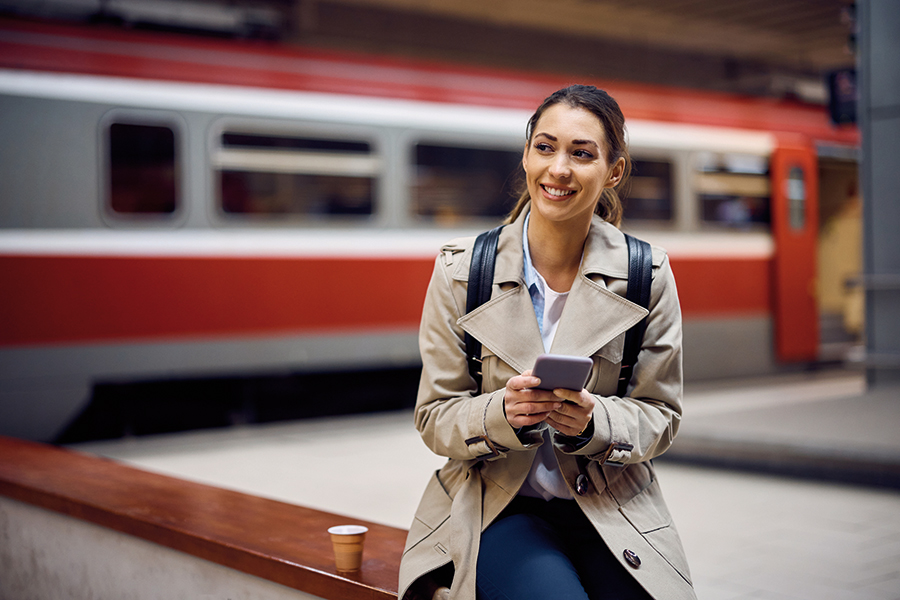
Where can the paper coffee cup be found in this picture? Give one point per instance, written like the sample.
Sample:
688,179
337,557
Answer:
347,541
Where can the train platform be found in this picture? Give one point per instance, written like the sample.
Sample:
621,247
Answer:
759,480
818,425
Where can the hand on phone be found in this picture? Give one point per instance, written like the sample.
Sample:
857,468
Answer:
561,371
529,397
525,404
568,374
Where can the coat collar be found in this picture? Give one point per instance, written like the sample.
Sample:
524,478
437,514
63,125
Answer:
593,315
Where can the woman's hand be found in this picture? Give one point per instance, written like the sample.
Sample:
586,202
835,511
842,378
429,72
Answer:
573,416
525,405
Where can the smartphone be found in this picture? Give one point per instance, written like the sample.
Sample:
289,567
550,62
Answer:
562,371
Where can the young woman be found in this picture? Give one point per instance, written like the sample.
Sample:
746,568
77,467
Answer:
550,494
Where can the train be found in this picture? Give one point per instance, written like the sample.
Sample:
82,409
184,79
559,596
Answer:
181,208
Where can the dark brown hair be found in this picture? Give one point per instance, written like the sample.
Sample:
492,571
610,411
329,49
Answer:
607,111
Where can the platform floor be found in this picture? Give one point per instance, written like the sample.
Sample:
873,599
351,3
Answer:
747,535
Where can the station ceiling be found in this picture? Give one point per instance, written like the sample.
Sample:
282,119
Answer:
760,47
799,33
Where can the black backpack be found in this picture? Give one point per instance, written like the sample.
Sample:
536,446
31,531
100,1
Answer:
481,278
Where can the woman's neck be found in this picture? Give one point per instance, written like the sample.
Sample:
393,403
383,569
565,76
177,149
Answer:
556,250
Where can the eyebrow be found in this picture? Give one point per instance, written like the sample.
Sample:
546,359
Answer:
553,138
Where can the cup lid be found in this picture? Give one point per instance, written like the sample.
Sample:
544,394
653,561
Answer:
347,529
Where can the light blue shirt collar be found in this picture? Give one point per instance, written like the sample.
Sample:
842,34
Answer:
533,280
532,277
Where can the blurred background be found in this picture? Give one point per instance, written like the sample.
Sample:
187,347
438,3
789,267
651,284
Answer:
225,212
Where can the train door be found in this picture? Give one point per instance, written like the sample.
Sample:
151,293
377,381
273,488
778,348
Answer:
840,247
794,213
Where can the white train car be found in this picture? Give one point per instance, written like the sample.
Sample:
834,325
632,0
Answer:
182,209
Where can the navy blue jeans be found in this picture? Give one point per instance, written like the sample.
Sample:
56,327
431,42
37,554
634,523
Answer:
538,550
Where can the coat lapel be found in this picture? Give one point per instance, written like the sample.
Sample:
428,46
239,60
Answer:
507,327
592,318
506,324
593,315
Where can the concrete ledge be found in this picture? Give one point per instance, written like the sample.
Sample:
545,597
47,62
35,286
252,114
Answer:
848,439
279,542
782,459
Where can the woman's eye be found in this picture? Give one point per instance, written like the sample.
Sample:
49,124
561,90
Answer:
543,147
583,154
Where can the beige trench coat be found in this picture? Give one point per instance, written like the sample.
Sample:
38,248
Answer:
487,461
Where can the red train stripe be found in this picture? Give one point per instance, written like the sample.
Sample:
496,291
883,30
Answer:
68,299
716,288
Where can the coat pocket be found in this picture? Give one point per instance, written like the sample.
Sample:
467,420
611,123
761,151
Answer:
646,510
433,511
626,483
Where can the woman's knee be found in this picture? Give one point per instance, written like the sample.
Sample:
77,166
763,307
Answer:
522,559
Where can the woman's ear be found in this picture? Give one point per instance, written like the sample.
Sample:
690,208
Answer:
616,173
525,158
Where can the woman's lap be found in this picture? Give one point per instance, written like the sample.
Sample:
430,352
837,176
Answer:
549,550
521,558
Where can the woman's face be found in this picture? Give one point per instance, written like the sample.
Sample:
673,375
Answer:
566,166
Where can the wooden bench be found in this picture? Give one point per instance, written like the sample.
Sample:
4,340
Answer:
280,542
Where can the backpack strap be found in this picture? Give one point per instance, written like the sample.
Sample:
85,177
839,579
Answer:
640,267
481,279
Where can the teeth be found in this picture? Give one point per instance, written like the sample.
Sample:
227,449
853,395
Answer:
556,192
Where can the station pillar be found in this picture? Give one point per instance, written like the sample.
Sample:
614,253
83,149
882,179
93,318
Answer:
878,109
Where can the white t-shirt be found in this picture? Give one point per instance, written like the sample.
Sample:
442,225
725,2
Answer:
544,480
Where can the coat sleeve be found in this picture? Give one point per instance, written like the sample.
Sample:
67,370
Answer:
643,424
453,419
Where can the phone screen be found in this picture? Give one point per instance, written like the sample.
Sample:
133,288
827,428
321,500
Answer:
562,371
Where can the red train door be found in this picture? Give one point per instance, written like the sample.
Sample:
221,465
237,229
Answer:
794,215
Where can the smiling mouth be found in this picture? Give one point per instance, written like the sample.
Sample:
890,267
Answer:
557,192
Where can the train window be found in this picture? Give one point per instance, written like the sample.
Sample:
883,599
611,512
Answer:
648,195
142,168
289,175
796,193
733,190
458,182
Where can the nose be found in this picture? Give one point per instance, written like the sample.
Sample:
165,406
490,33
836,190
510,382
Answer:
560,167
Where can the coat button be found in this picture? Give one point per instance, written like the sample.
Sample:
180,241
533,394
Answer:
632,559
581,485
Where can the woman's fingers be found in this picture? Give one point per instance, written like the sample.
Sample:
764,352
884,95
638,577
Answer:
522,382
525,405
520,414
574,414
580,398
